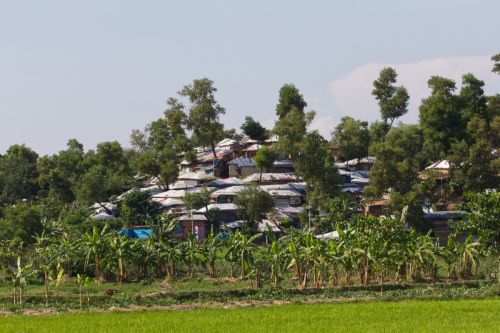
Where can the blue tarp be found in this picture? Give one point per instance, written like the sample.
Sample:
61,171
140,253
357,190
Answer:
141,233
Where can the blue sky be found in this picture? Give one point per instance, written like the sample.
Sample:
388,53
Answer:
95,70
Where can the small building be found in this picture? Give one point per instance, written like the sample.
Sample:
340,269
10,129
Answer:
376,208
442,222
283,195
226,195
251,150
220,213
228,144
242,167
283,166
193,223
196,178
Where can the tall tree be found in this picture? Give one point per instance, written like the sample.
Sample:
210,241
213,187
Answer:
352,137
315,165
440,118
291,129
204,112
18,174
289,98
474,102
392,100
21,221
398,161
254,130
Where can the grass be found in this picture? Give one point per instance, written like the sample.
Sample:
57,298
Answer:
406,316
223,291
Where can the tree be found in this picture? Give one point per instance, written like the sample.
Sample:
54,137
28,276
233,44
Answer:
398,159
440,118
289,98
253,204
474,102
293,121
93,188
315,165
483,218
204,112
53,183
496,66
392,100
18,174
254,130
352,137
137,208
291,129
138,140
21,221
264,159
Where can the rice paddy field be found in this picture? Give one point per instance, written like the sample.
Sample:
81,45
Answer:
474,315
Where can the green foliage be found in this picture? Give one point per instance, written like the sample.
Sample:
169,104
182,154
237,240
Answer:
20,221
18,174
483,218
315,165
137,208
198,199
254,130
496,65
204,112
264,159
339,212
253,205
392,100
440,118
289,98
398,160
352,137
291,129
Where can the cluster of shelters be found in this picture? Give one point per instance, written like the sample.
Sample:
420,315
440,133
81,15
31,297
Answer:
232,168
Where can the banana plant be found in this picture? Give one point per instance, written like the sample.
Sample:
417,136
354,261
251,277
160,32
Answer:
121,252
83,283
95,247
210,249
57,280
19,279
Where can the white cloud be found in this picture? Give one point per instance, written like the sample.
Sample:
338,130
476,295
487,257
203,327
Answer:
352,93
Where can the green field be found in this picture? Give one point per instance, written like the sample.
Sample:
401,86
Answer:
406,316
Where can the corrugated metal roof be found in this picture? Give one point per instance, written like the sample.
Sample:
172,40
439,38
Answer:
243,162
269,177
232,190
444,165
224,206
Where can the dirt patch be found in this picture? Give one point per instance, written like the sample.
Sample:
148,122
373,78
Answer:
187,307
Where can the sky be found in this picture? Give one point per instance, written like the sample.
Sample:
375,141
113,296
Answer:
95,70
